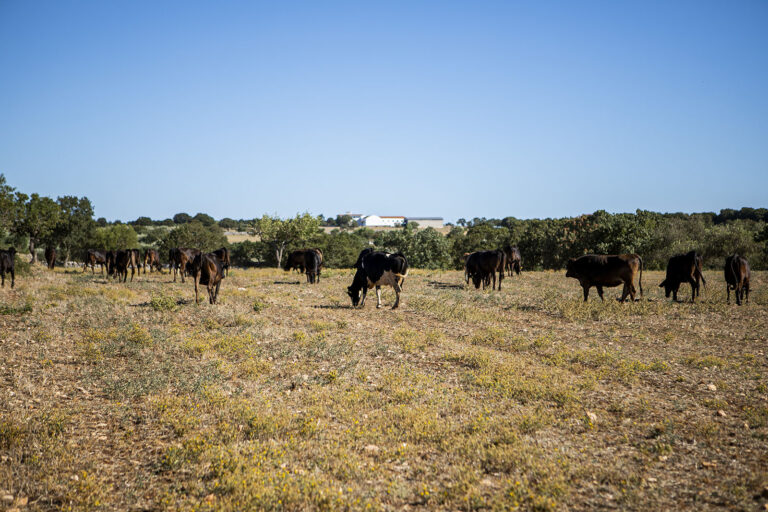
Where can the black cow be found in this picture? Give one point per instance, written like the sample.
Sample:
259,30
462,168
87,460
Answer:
514,260
223,255
206,269
295,261
377,269
601,270
119,261
8,264
312,262
683,268
737,276
93,258
482,267
50,256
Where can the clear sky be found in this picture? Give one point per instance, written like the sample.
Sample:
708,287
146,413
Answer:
454,109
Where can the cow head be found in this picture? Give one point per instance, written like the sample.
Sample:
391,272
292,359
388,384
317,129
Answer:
667,288
570,270
354,294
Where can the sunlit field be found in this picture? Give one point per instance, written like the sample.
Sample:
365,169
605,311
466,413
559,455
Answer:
283,397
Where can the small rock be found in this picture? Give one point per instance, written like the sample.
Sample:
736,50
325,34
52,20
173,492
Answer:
8,498
711,387
372,448
721,413
663,458
592,417
651,479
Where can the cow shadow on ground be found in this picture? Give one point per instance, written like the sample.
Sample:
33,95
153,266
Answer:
439,285
286,282
332,306
179,302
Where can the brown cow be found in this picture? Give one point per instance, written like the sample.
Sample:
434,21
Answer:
93,258
737,276
223,255
600,270
206,269
50,256
151,258
179,258
482,266
514,260
683,268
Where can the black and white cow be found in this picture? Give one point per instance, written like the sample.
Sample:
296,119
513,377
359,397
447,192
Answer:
377,269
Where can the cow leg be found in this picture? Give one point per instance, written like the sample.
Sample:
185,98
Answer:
600,293
13,277
216,292
2,279
746,291
501,277
727,293
365,293
694,289
197,300
378,296
133,271
397,294
211,296
738,295
586,292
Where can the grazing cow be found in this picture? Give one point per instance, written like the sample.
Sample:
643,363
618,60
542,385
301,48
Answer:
8,264
295,261
119,261
206,269
312,262
50,256
151,259
179,258
377,269
514,260
223,255
683,268
600,270
482,267
93,258
319,254
737,276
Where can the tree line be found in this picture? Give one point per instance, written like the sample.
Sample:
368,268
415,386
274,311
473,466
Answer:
32,222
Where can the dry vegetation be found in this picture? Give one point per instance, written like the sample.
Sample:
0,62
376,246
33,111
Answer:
129,397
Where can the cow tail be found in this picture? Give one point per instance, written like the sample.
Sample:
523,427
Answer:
701,273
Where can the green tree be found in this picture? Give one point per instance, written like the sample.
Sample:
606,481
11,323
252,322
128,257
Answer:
9,207
75,227
278,233
143,221
194,234
204,219
228,223
182,218
115,237
37,218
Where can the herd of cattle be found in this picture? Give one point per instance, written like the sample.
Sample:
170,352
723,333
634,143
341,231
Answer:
377,269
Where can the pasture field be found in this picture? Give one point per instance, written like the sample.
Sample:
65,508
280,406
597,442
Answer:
283,397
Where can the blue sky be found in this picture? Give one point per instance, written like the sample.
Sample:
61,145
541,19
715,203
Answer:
454,109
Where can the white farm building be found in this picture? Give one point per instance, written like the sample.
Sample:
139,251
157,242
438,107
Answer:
382,221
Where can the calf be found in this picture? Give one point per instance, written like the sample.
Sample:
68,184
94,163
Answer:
151,258
737,276
514,260
206,269
8,264
50,256
377,269
223,255
600,270
93,258
683,268
482,267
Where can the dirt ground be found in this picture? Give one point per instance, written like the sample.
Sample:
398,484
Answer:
283,397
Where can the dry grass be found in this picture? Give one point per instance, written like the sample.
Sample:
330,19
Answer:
284,398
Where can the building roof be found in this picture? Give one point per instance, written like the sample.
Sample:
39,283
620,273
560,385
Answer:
391,217
424,218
